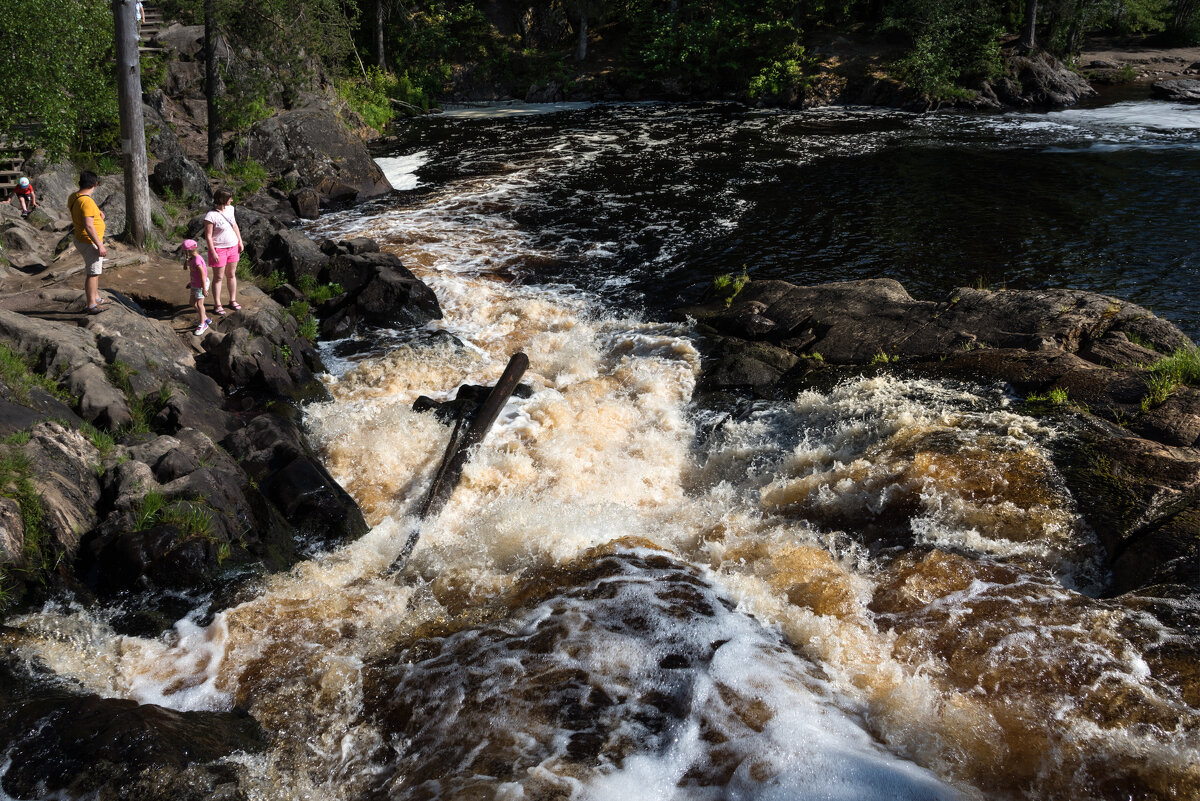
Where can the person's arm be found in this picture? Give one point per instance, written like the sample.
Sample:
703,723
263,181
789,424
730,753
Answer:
238,231
208,237
33,197
89,224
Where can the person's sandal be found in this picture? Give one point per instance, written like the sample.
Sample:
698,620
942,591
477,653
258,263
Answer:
233,304
219,310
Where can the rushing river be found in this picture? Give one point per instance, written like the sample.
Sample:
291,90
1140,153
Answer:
878,589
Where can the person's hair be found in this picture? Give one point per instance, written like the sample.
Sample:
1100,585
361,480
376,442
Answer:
87,179
221,197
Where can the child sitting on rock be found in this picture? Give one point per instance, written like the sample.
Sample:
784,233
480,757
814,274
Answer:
198,284
27,196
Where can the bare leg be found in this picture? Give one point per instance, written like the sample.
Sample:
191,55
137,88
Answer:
231,276
91,289
216,287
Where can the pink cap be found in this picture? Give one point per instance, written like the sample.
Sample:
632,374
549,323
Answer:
189,244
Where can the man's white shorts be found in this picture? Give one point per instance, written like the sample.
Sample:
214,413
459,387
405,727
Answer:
92,259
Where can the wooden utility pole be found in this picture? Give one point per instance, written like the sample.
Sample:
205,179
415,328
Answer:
212,87
133,124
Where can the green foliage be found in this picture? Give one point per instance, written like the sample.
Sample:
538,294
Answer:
248,176
318,293
371,97
269,283
302,311
16,483
1182,367
309,329
190,517
57,72
728,286
882,358
18,374
1057,396
733,44
954,42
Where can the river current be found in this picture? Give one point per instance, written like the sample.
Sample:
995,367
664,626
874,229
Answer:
876,589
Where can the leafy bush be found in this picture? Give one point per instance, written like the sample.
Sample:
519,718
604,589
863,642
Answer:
371,97
249,175
954,42
57,86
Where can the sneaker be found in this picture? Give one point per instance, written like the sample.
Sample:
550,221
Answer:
208,321
200,329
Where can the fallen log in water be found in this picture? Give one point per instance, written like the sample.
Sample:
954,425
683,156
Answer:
458,450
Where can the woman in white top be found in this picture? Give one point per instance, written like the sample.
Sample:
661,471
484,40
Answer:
224,240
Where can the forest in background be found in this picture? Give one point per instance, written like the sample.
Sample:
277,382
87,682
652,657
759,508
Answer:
387,57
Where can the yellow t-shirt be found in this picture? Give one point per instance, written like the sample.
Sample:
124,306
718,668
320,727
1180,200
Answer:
82,207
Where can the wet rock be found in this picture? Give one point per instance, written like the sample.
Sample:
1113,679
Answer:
273,452
261,349
12,533
84,745
1093,349
381,291
737,363
1184,90
306,202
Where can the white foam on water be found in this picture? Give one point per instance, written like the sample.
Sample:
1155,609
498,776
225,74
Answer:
401,171
512,108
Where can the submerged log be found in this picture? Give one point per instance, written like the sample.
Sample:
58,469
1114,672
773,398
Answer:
458,450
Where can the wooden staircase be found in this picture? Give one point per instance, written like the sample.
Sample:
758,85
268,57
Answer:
152,26
12,163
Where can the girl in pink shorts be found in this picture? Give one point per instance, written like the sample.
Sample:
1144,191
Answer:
224,240
197,283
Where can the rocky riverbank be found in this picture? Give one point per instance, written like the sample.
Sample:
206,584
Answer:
1127,378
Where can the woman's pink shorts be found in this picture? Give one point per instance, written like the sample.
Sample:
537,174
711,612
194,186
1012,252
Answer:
225,256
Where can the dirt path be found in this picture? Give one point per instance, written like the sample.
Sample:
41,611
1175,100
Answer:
1147,63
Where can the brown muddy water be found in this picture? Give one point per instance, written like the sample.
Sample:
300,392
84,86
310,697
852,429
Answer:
879,589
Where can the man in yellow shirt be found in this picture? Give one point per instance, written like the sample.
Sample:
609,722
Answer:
89,237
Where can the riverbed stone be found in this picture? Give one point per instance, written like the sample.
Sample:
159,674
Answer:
82,745
1094,350
1180,90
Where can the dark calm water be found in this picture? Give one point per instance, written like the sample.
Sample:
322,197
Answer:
645,204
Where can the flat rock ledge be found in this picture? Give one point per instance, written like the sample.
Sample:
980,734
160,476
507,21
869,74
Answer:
1135,471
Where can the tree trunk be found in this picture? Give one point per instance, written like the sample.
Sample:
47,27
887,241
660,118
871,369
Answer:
212,87
1029,31
581,51
379,54
133,125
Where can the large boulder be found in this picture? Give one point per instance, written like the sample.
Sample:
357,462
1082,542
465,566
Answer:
260,348
273,451
315,143
1139,486
380,290
66,744
185,178
1184,90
